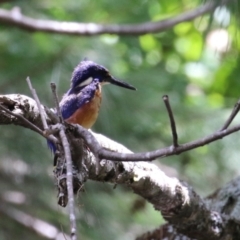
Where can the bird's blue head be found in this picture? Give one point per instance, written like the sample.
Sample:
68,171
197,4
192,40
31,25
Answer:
88,72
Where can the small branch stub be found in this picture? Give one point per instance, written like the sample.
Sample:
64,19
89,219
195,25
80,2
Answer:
232,116
172,121
55,96
33,91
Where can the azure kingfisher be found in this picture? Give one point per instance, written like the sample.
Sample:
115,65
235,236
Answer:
81,104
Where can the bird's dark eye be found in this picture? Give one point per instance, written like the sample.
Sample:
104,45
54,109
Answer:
85,82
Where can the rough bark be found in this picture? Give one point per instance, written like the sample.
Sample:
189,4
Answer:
188,215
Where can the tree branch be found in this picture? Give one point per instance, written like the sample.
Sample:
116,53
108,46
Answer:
176,200
23,111
172,121
149,156
179,204
67,153
104,153
69,166
35,96
225,201
15,18
233,114
31,126
55,97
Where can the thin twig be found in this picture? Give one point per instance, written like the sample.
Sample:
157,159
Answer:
69,166
68,157
29,124
33,91
14,17
103,153
232,116
182,201
172,121
51,114
55,96
169,151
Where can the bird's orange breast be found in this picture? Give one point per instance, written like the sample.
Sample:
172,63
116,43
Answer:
88,113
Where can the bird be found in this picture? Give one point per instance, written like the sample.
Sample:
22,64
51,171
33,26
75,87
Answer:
82,102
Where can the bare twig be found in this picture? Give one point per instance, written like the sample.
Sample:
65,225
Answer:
164,152
68,157
103,153
232,116
172,121
33,91
53,87
69,166
15,18
149,156
28,123
51,115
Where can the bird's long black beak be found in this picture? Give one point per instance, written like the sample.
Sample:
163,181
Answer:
120,83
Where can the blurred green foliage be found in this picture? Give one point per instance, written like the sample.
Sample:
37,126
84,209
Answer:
186,62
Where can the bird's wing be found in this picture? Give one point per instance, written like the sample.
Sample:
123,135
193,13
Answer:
71,103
